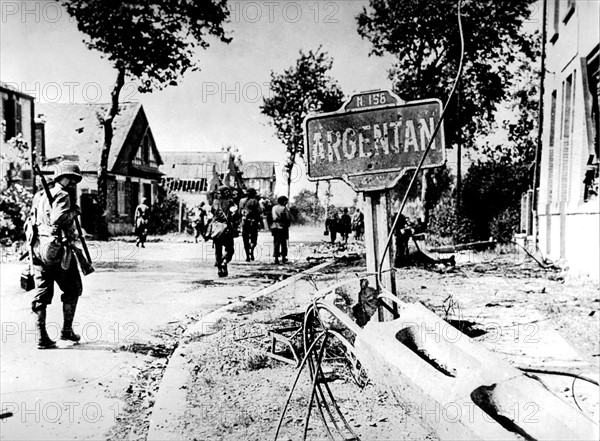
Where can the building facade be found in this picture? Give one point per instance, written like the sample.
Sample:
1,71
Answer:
195,176
73,132
568,205
17,121
261,176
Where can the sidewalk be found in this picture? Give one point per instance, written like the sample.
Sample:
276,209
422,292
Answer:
216,389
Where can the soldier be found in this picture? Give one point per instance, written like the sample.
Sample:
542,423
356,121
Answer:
199,221
358,224
345,225
53,259
332,223
280,229
224,213
141,219
251,219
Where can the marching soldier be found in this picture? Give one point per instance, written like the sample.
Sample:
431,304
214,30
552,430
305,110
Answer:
280,229
53,260
224,212
141,220
251,219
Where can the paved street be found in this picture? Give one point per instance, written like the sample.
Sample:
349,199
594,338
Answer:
133,298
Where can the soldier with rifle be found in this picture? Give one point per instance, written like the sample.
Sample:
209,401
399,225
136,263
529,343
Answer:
55,229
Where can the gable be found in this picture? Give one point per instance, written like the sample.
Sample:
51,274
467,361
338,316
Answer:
139,149
76,129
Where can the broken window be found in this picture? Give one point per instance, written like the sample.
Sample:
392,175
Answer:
11,116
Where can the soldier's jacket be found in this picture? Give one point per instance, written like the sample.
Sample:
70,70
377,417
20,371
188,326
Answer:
54,226
281,217
250,212
59,218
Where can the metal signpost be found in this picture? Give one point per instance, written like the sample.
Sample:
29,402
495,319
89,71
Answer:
370,143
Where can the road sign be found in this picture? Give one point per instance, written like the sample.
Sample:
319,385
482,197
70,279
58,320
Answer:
373,140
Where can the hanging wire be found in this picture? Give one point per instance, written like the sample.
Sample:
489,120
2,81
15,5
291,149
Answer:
437,128
313,309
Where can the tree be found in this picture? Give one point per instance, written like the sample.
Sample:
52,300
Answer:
423,36
152,42
308,206
301,89
511,136
505,150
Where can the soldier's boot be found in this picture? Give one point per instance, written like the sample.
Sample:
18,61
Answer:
44,341
68,316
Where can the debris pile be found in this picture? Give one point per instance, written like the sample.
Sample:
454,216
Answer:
339,251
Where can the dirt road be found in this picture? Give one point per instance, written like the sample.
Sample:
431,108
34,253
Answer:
133,308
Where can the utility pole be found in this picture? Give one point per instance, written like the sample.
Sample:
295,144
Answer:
458,154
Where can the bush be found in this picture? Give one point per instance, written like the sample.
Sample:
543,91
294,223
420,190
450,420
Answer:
165,212
306,208
15,203
444,223
491,198
442,220
505,225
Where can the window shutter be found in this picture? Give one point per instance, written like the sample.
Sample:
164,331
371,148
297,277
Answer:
18,117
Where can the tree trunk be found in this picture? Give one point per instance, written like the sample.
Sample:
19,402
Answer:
289,174
111,113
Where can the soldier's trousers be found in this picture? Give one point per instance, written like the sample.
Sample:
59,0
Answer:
250,238
280,238
69,281
224,244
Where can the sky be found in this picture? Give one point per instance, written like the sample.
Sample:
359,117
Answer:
42,53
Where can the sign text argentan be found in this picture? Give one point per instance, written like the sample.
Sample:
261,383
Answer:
372,140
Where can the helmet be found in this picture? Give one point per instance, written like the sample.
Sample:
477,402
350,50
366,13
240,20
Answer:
68,169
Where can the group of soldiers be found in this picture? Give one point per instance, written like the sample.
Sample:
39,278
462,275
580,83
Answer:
344,224
229,216
53,232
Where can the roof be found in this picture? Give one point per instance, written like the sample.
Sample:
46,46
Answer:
75,129
194,165
258,170
12,88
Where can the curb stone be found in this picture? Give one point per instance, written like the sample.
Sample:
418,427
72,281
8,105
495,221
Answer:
171,400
